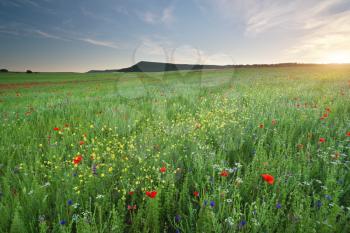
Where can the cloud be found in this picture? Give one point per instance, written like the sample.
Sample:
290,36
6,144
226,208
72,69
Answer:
107,44
187,54
151,49
149,17
49,36
29,2
325,36
259,16
162,49
166,16
316,29
96,16
7,3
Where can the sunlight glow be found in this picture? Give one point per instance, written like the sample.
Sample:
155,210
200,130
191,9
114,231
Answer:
338,57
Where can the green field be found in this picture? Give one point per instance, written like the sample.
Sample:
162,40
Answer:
78,152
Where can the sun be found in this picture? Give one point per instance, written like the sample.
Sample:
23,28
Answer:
338,57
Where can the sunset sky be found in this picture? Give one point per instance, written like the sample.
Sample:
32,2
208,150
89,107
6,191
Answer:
79,35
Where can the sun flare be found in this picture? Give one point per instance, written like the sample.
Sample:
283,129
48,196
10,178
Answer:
338,57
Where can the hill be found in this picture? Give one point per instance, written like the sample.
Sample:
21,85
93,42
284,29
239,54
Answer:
146,66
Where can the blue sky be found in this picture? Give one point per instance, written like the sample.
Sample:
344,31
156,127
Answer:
79,35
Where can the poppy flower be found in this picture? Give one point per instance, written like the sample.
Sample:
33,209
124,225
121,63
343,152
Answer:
77,159
261,126
348,134
162,169
196,194
198,125
321,140
325,115
56,129
131,193
132,207
81,143
152,194
300,146
224,173
321,118
268,178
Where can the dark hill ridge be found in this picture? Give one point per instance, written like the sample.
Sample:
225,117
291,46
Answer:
145,66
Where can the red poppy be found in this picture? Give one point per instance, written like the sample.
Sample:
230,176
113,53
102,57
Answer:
77,159
261,126
325,115
268,178
81,143
131,193
321,140
348,134
130,207
162,169
196,194
152,194
322,118
224,173
56,129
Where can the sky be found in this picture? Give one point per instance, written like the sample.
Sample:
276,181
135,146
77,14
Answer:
80,35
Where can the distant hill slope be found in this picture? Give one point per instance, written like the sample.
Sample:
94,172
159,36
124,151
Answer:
146,66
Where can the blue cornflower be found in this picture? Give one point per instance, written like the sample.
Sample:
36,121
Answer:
63,222
177,231
278,206
70,202
212,180
340,181
75,174
318,204
328,197
212,203
177,218
242,223
93,169
205,202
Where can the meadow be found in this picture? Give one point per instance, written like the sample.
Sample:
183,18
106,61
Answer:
238,150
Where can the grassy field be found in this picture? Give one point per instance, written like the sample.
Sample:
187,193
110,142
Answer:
244,150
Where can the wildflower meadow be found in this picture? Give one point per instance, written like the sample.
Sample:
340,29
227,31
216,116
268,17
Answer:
232,150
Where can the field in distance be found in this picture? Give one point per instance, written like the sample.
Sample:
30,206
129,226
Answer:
231,150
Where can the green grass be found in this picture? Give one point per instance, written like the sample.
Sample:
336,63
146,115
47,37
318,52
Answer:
247,122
